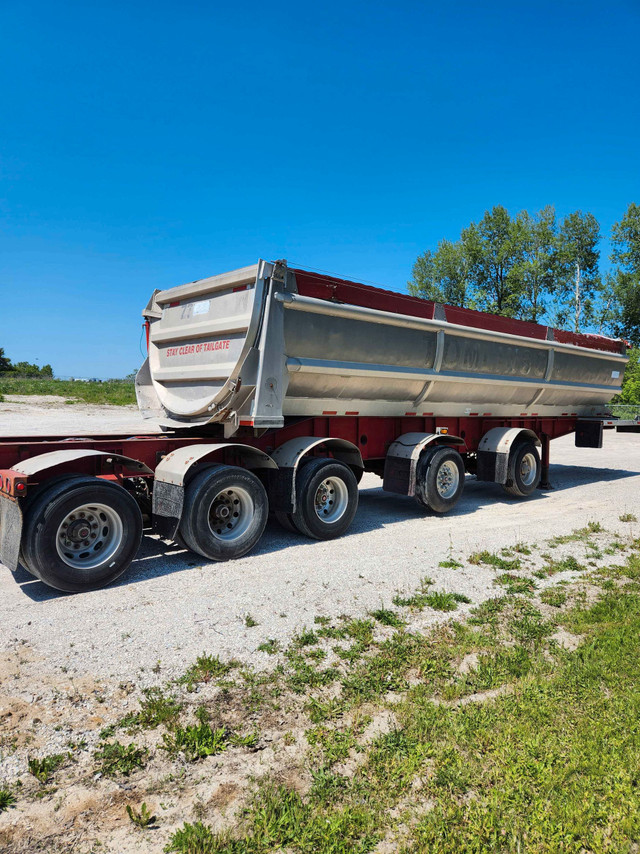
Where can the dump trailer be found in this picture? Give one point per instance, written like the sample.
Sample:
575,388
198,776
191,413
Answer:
275,389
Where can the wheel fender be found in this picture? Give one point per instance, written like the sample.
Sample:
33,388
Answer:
401,462
288,457
103,461
11,516
174,471
494,450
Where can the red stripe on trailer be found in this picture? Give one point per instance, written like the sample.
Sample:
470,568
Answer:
356,412
248,423
330,412
410,413
427,414
474,413
240,288
485,413
332,289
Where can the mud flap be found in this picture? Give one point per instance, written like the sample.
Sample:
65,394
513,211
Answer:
10,532
168,499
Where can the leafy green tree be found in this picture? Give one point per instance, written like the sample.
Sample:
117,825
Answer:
626,276
5,363
537,268
630,393
443,276
579,283
495,251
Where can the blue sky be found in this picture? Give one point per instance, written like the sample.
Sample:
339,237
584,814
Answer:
145,144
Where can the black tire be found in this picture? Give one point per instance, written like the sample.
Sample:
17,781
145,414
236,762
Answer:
439,479
286,520
524,470
325,515
210,524
32,495
114,531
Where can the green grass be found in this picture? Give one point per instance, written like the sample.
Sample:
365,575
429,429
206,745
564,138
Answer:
271,646
114,758
116,392
7,799
156,708
491,559
143,818
450,563
205,669
628,517
42,769
549,767
196,741
515,583
387,617
579,535
554,596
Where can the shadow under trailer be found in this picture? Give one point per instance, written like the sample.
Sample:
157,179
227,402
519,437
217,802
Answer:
275,388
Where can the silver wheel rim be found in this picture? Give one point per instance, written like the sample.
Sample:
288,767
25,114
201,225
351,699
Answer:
89,536
331,499
447,479
528,469
230,514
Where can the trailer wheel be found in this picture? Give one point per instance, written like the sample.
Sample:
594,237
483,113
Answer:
327,499
225,512
439,479
32,495
81,533
524,470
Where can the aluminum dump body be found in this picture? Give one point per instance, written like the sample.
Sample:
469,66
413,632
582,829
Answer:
257,345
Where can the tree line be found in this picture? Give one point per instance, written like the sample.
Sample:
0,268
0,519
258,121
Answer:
536,267
22,369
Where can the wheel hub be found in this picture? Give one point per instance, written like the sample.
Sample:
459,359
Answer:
89,535
331,499
231,513
447,479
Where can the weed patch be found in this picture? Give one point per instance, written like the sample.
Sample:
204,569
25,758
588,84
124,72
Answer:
115,758
491,559
42,769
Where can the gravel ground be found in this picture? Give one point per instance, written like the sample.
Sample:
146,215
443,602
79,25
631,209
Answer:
72,665
170,606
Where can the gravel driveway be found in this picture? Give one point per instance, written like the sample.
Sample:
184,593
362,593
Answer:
170,606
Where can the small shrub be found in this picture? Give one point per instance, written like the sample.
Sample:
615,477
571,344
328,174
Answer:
249,621
450,563
628,517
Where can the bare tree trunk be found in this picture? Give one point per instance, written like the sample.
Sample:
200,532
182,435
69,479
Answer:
578,304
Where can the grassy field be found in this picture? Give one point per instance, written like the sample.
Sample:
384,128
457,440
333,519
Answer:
116,392
514,729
